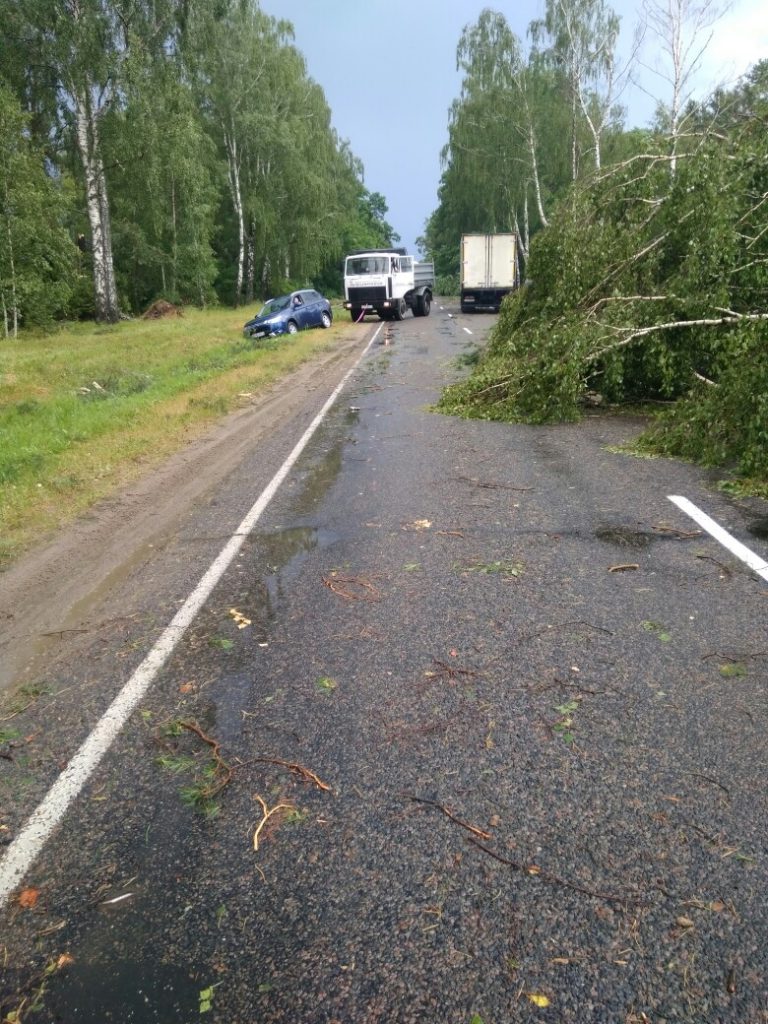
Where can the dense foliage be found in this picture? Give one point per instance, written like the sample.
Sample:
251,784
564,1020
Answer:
648,281
162,148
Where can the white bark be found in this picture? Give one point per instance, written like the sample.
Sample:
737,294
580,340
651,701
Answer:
14,310
97,204
233,168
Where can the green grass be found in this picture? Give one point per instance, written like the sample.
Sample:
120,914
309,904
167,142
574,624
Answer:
88,408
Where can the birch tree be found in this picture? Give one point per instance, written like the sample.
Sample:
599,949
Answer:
582,37
682,29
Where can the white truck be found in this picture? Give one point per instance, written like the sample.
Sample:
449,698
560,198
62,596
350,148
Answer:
387,282
488,270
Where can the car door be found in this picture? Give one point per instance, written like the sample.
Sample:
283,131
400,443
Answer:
299,311
314,311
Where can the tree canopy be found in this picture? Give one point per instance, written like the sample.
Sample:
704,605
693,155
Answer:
166,149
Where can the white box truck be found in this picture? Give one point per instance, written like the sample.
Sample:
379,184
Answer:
488,270
387,282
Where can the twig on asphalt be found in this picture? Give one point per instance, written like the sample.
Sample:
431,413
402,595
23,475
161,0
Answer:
433,803
268,812
344,587
451,671
223,770
623,568
547,876
297,769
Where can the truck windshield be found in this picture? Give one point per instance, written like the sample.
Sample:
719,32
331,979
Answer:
367,265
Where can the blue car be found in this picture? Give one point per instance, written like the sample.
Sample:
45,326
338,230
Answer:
288,314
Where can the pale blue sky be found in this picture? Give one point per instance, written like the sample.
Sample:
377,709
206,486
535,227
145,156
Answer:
388,70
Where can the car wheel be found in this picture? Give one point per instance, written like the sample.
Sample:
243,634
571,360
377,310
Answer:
325,319
292,327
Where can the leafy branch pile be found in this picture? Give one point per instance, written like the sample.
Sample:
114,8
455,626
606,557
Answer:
650,283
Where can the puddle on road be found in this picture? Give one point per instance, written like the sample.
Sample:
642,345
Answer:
759,528
624,536
127,992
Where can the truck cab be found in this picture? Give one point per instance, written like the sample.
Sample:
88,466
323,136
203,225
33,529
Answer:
387,282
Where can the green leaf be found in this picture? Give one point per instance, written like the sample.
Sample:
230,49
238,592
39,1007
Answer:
221,643
732,669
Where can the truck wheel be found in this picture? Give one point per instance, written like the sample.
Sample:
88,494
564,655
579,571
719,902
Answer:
425,304
355,313
399,311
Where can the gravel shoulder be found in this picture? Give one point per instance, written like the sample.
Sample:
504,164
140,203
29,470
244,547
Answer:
48,595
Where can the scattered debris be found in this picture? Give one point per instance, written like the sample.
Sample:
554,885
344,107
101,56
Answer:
417,524
268,812
297,769
470,828
28,898
450,671
117,899
223,772
351,588
325,684
623,568
546,876
240,620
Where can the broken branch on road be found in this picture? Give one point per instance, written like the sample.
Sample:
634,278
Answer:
470,828
351,588
547,876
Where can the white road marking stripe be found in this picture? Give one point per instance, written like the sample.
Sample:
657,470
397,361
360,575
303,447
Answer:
23,851
467,330
755,563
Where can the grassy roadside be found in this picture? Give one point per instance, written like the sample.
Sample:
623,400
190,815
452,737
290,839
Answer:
85,410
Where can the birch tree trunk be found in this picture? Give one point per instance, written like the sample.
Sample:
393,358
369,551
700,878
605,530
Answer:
233,166
97,204
14,310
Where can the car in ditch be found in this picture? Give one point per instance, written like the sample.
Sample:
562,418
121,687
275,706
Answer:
288,314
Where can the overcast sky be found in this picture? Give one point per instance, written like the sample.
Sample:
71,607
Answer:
388,70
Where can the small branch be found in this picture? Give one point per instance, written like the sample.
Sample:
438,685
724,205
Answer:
674,324
268,812
532,869
470,828
297,769
221,765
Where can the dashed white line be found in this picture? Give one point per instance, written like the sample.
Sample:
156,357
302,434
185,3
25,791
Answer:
741,551
25,848
466,329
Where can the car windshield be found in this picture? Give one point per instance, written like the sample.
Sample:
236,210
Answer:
367,265
275,305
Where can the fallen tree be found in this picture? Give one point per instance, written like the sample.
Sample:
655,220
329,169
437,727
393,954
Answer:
651,282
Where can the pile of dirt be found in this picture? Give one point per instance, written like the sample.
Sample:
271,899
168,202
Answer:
160,308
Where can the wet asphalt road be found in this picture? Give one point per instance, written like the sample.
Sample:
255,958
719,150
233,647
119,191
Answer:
546,778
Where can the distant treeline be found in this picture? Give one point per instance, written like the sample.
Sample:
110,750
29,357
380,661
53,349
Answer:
165,148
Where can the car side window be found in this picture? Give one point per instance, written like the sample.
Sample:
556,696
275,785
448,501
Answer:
297,300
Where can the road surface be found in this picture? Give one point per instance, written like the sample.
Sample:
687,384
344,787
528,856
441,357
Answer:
470,729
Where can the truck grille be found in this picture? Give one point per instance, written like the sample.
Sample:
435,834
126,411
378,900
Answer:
363,296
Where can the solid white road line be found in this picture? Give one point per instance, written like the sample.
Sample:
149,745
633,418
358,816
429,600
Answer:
755,563
22,852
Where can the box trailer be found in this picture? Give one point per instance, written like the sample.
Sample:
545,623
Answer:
488,270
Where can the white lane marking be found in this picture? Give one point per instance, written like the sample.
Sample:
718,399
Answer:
755,563
23,851
466,329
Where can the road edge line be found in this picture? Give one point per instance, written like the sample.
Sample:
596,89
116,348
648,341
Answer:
26,847
736,548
